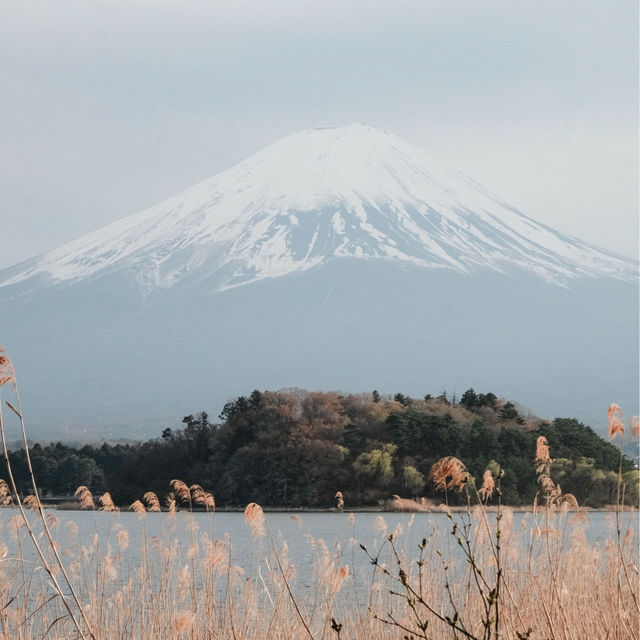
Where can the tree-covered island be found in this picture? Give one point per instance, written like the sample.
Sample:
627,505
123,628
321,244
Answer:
295,449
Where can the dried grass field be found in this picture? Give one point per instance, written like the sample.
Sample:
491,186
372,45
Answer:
486,575
163,575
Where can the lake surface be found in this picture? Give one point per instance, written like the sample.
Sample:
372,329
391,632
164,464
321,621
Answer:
305,538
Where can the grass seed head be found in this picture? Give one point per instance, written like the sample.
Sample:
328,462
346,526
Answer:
542,450
170,502
32,502
137,507
5,494
182,622
84,496
254,516
7,373
488,485
216,553
152,502
568,501
180,490
449,473
616,420
107,503
209,501
123,539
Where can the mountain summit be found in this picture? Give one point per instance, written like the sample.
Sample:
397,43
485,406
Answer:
314,196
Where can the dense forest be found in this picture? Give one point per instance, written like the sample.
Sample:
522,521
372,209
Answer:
297,449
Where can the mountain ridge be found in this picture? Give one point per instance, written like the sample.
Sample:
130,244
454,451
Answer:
314,196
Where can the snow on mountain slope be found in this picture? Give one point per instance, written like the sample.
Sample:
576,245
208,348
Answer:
318,195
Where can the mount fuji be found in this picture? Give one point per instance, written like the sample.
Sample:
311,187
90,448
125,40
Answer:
338,258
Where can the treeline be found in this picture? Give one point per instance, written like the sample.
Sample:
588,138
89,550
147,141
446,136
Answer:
297,448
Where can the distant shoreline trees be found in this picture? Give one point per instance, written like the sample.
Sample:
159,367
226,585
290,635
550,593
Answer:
297,448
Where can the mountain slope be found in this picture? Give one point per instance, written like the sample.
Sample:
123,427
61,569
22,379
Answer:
314,196
335,259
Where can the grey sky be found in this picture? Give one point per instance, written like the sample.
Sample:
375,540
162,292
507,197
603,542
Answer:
109,107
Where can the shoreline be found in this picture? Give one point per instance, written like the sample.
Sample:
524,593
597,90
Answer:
366,509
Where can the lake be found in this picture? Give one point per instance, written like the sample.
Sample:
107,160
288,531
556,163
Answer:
207,574
308,536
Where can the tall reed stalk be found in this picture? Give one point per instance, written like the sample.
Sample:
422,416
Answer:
7,376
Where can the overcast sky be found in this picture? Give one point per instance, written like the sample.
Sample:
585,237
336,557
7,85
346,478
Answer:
109,107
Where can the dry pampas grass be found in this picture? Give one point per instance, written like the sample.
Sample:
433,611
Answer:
50,560
170,502
616,420
488,485
123,539
180,491
254,516
571,590
209,501
137,507
182,622
569,501
202,498
551,492
152,502
192,587
542,450
84,496
196,493
7,372
5,494
107,503
32,502
449,473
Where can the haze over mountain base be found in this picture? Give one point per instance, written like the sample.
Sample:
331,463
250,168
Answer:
96,360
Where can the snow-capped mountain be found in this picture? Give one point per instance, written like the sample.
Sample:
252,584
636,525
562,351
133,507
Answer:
316,195
336,259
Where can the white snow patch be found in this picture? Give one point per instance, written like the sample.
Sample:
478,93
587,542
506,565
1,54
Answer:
338,223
